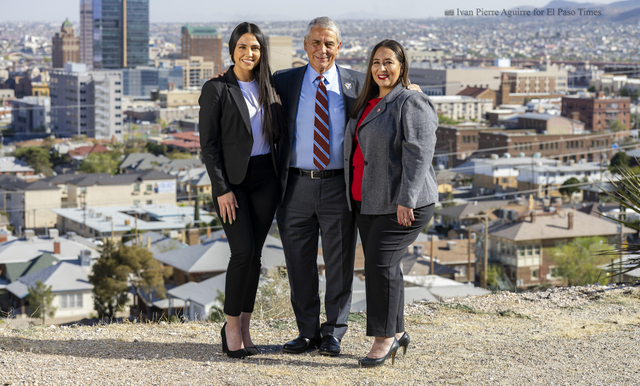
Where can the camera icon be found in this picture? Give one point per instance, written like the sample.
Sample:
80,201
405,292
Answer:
449,12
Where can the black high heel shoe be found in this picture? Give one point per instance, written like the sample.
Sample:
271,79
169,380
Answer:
237,354
252,350
375,362
404,342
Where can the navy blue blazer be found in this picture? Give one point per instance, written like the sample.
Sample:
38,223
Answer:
288,85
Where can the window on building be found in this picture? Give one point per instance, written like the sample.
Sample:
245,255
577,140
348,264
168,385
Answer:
149,202
149,188
71,301
505,180
136,202
529,250
534,274
554,272
136,187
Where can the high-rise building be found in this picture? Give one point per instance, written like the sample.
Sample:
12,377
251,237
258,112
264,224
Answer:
195,70
31,115
66,46
141,81
86,33
120,33
202,41
86,102
280,52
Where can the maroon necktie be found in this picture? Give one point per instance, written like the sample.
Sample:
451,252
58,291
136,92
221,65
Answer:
321,127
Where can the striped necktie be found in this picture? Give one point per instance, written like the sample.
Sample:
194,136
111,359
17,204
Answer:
321,127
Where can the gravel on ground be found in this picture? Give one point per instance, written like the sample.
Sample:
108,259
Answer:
563,336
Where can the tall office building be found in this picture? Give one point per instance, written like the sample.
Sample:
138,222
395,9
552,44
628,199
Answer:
140,82
86,102
66,47
120,33
86,33
202,41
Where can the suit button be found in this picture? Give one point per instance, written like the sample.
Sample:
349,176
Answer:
366,163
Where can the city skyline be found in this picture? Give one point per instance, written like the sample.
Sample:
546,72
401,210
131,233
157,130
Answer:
197,11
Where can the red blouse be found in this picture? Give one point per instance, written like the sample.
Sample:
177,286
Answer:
357,161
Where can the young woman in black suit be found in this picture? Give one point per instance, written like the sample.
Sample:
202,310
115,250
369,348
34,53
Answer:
240,126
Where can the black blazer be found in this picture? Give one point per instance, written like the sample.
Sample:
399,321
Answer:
288,86
226,138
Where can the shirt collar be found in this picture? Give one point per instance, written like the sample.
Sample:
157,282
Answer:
330,75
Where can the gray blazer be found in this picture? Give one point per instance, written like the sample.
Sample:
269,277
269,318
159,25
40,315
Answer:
397,139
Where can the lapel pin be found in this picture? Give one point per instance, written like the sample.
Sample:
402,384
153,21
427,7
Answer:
348,86
378,110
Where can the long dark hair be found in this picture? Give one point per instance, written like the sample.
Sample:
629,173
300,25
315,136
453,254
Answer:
371,89
272,116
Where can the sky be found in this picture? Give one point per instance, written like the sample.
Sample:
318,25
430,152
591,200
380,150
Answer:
181,11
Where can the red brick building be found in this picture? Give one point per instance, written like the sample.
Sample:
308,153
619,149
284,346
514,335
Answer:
598,114
66,46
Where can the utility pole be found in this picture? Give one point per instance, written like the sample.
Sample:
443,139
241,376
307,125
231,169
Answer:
432,257
621,217
136,229
112,234
469,255
189,183
485,263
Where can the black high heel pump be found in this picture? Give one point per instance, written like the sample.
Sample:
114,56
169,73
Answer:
237,354
375,362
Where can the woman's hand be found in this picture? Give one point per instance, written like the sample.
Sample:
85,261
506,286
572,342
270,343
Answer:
228,204
405,216
413,87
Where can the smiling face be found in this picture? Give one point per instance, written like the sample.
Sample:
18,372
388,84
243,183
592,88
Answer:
322,47
386,70
246,56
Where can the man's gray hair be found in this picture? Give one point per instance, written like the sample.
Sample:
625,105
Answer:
326,23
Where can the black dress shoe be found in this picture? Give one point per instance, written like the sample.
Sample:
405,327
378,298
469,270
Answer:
404,342
300,345
330,346
375,362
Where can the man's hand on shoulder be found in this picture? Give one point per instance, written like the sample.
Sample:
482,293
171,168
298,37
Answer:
413,87
218,75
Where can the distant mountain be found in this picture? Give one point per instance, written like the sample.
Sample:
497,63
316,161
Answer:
628,10
627,5
572,4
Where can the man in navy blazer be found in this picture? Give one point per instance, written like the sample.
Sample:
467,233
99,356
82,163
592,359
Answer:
313,201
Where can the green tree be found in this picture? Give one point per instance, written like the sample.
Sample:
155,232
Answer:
196,209
619,160
121,267
444,120
580,260
40,301
623,92
591,89
179,155
101,163
617,126
448,200
568,190
36,157
157,149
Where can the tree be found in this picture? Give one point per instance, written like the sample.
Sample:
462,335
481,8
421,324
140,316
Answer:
580,260
101,163
37,158
619,160
40,300
156,149
196,209
121,267
446,120
591,89
617,126
448,200
179,155
568,190
623,92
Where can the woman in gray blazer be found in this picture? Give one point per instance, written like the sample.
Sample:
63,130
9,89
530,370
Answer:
388,146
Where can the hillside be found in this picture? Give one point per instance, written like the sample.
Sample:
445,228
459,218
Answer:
579,335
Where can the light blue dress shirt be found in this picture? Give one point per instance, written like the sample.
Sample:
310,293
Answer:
302,148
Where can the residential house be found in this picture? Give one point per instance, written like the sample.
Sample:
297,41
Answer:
458,255
114,222
15,167
547,179
520,246
498,175
69,282
195,299
156,242
29,204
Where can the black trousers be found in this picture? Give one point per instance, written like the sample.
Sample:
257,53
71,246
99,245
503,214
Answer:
257,198
384,243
